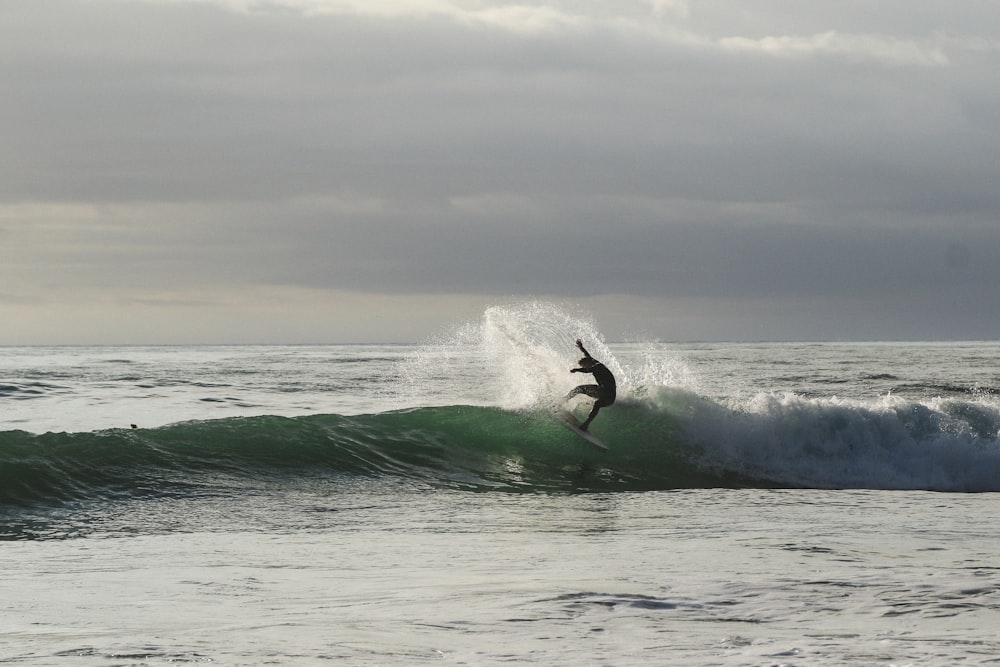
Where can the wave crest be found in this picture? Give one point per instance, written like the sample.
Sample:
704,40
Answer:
669,439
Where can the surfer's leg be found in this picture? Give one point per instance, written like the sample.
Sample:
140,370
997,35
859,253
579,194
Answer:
591,390
601,402
593,413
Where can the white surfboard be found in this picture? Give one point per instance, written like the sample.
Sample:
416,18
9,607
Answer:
573,424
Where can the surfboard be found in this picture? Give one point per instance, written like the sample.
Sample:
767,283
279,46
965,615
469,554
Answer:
573,424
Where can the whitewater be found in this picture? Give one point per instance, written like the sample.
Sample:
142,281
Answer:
761,504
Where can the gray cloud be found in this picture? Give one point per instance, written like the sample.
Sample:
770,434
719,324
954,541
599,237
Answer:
696,153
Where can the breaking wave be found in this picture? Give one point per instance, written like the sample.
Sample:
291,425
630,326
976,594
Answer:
669,439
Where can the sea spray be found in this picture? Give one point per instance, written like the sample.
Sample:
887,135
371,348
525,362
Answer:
516,356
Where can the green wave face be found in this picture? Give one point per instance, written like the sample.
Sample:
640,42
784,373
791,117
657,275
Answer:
670,440
464,447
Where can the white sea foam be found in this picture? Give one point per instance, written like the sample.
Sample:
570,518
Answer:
886,443
515,356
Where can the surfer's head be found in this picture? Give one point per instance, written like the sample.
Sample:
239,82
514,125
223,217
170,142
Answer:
586,362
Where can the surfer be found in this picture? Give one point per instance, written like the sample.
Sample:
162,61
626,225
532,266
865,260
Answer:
603,392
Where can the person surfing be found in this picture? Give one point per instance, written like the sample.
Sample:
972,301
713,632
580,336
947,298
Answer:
603,392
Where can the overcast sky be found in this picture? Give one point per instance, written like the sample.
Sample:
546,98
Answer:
372,170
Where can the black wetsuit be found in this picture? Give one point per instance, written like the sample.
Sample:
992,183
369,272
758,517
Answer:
603,393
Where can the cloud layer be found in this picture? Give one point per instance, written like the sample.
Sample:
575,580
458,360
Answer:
691,170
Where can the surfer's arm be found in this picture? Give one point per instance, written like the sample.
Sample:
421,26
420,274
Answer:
579,344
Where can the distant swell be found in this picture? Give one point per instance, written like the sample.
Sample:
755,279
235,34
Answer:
673,439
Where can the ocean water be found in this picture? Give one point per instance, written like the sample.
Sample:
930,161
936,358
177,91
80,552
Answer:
761,504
